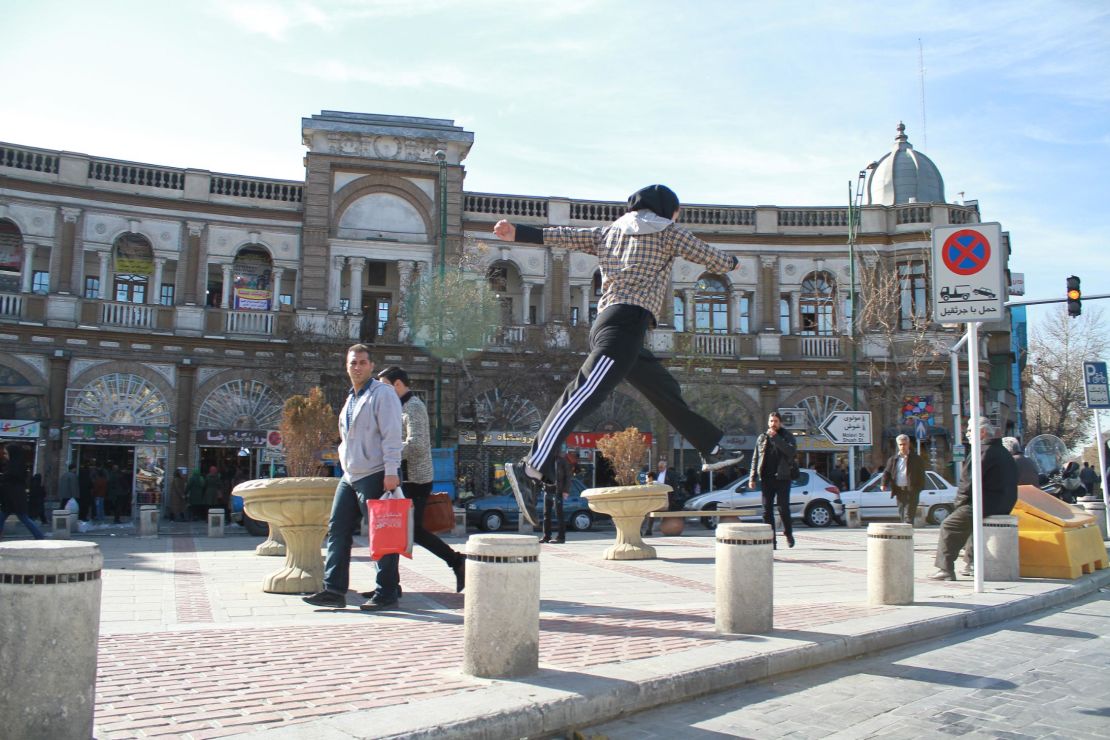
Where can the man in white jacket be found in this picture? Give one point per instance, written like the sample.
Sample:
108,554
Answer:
370,455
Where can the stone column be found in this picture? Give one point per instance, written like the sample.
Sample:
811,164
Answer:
405,270
186,387
225,296
190,258
769,287
66,255
584,305
28,267
688,303
335,282
155,296
49,670
105,291
275,288
501,607
354,290
744,578
525,300
889,563
736,312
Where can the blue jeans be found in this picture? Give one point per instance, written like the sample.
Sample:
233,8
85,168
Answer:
347,510
27,522
98,505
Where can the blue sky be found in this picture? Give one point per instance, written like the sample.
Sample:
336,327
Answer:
743,103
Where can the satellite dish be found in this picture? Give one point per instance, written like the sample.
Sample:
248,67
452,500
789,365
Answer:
1047,452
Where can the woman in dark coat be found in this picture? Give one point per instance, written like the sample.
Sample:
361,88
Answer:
13,491
37,499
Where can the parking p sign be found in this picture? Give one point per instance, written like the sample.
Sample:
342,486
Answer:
1095,385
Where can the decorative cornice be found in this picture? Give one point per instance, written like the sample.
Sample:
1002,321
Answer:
70,215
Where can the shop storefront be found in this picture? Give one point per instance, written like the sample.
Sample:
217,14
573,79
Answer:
136,455
587,462
245,453
25,433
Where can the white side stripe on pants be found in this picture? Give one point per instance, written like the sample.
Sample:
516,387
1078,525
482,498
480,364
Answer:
579,397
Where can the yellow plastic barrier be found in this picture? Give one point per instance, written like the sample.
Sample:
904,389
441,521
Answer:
1055,540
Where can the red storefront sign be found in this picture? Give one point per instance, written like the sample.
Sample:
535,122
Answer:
579,440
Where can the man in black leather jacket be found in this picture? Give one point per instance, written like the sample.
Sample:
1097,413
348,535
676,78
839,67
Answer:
771,467
1000,475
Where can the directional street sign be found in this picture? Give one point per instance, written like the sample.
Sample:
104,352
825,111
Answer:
849,428
968,270
959,452
1095,385
920,431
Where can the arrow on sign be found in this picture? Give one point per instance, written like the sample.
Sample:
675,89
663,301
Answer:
848,427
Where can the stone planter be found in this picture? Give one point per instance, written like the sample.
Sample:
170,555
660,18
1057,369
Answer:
628,505
301,508
274,546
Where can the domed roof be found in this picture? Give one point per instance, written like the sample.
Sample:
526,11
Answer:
904,175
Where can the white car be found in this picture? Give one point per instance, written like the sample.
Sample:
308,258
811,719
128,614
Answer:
813,499
937,498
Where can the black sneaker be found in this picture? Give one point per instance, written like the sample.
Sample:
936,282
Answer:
328,599
526,490
376,604
721,459
370,594
460,574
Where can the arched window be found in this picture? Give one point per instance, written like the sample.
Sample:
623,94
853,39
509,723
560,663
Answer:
817,305
134,265
498,277
240,404
711,305
119,398
818,408
251,276
11,257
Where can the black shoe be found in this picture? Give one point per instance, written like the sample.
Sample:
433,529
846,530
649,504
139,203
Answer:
720,459
525,489
967,570
560,541
546,538
943,575
370,594
460,574
376,604
328,599
790,540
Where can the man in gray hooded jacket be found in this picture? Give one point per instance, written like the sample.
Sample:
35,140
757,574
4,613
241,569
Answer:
635,254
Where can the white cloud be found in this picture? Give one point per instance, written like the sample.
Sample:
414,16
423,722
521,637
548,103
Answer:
412,75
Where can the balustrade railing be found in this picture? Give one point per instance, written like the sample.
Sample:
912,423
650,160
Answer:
11,305
915,214
821,347
249,322
134,315
28,159
593,211
247,187
717,216
960,215
505,205
715,345
127,173
813,217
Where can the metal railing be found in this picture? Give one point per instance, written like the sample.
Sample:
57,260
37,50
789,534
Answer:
134,315
11,305
249,322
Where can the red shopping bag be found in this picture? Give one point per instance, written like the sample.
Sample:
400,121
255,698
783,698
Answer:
390,524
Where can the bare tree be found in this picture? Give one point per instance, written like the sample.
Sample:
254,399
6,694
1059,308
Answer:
308,426
1053,377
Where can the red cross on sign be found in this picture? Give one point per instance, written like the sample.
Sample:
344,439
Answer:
966,252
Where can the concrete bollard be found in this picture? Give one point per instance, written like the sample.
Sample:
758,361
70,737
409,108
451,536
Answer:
744,578
460,523
851,516
49,623
148,520
1000,540
215,522
1097,508
501,613
889,563
59,521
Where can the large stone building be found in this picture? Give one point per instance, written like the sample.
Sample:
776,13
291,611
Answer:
156,317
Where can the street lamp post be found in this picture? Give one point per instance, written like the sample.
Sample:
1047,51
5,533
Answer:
854,203
441,156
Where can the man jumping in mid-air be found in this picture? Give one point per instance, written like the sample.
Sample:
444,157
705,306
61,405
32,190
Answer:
635,254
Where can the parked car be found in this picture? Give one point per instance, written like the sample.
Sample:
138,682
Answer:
813,499
937,498
494,513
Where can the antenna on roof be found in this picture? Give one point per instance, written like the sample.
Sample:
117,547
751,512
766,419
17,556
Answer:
921,67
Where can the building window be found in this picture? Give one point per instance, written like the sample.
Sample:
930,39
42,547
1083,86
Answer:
817,305
375,273
92,287
574,316
382,315
166,296
597,283
286,299
130,288
784,314
498,277
134,262
912,308
743,317
679,311
711,306
40,282
532,315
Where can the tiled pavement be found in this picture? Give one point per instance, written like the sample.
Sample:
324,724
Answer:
191,647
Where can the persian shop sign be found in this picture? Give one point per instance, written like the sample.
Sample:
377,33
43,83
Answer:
118,434
232,437
19,428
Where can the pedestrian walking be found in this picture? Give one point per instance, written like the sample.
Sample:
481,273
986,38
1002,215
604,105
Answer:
999,482
36,499
904,477
69,486
370,456
194,491
1027,473
1089,478
554,495
418,472
635,254
667,477
13,490
118,493
178,501
773,470
99,493
85,500
213,490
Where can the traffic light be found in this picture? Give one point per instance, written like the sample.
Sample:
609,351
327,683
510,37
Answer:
1075,296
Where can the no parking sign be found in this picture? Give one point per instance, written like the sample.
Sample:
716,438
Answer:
968,270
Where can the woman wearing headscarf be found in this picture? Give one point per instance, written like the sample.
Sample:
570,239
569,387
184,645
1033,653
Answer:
13,491
635,254
194,489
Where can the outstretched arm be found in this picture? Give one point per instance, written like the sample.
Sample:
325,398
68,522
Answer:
695,250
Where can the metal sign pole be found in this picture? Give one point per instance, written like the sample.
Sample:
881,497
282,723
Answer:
976,455
1102,464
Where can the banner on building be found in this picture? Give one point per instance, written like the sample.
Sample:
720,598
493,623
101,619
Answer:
232,437
117,434
20,428
251,281
134,257
251,299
